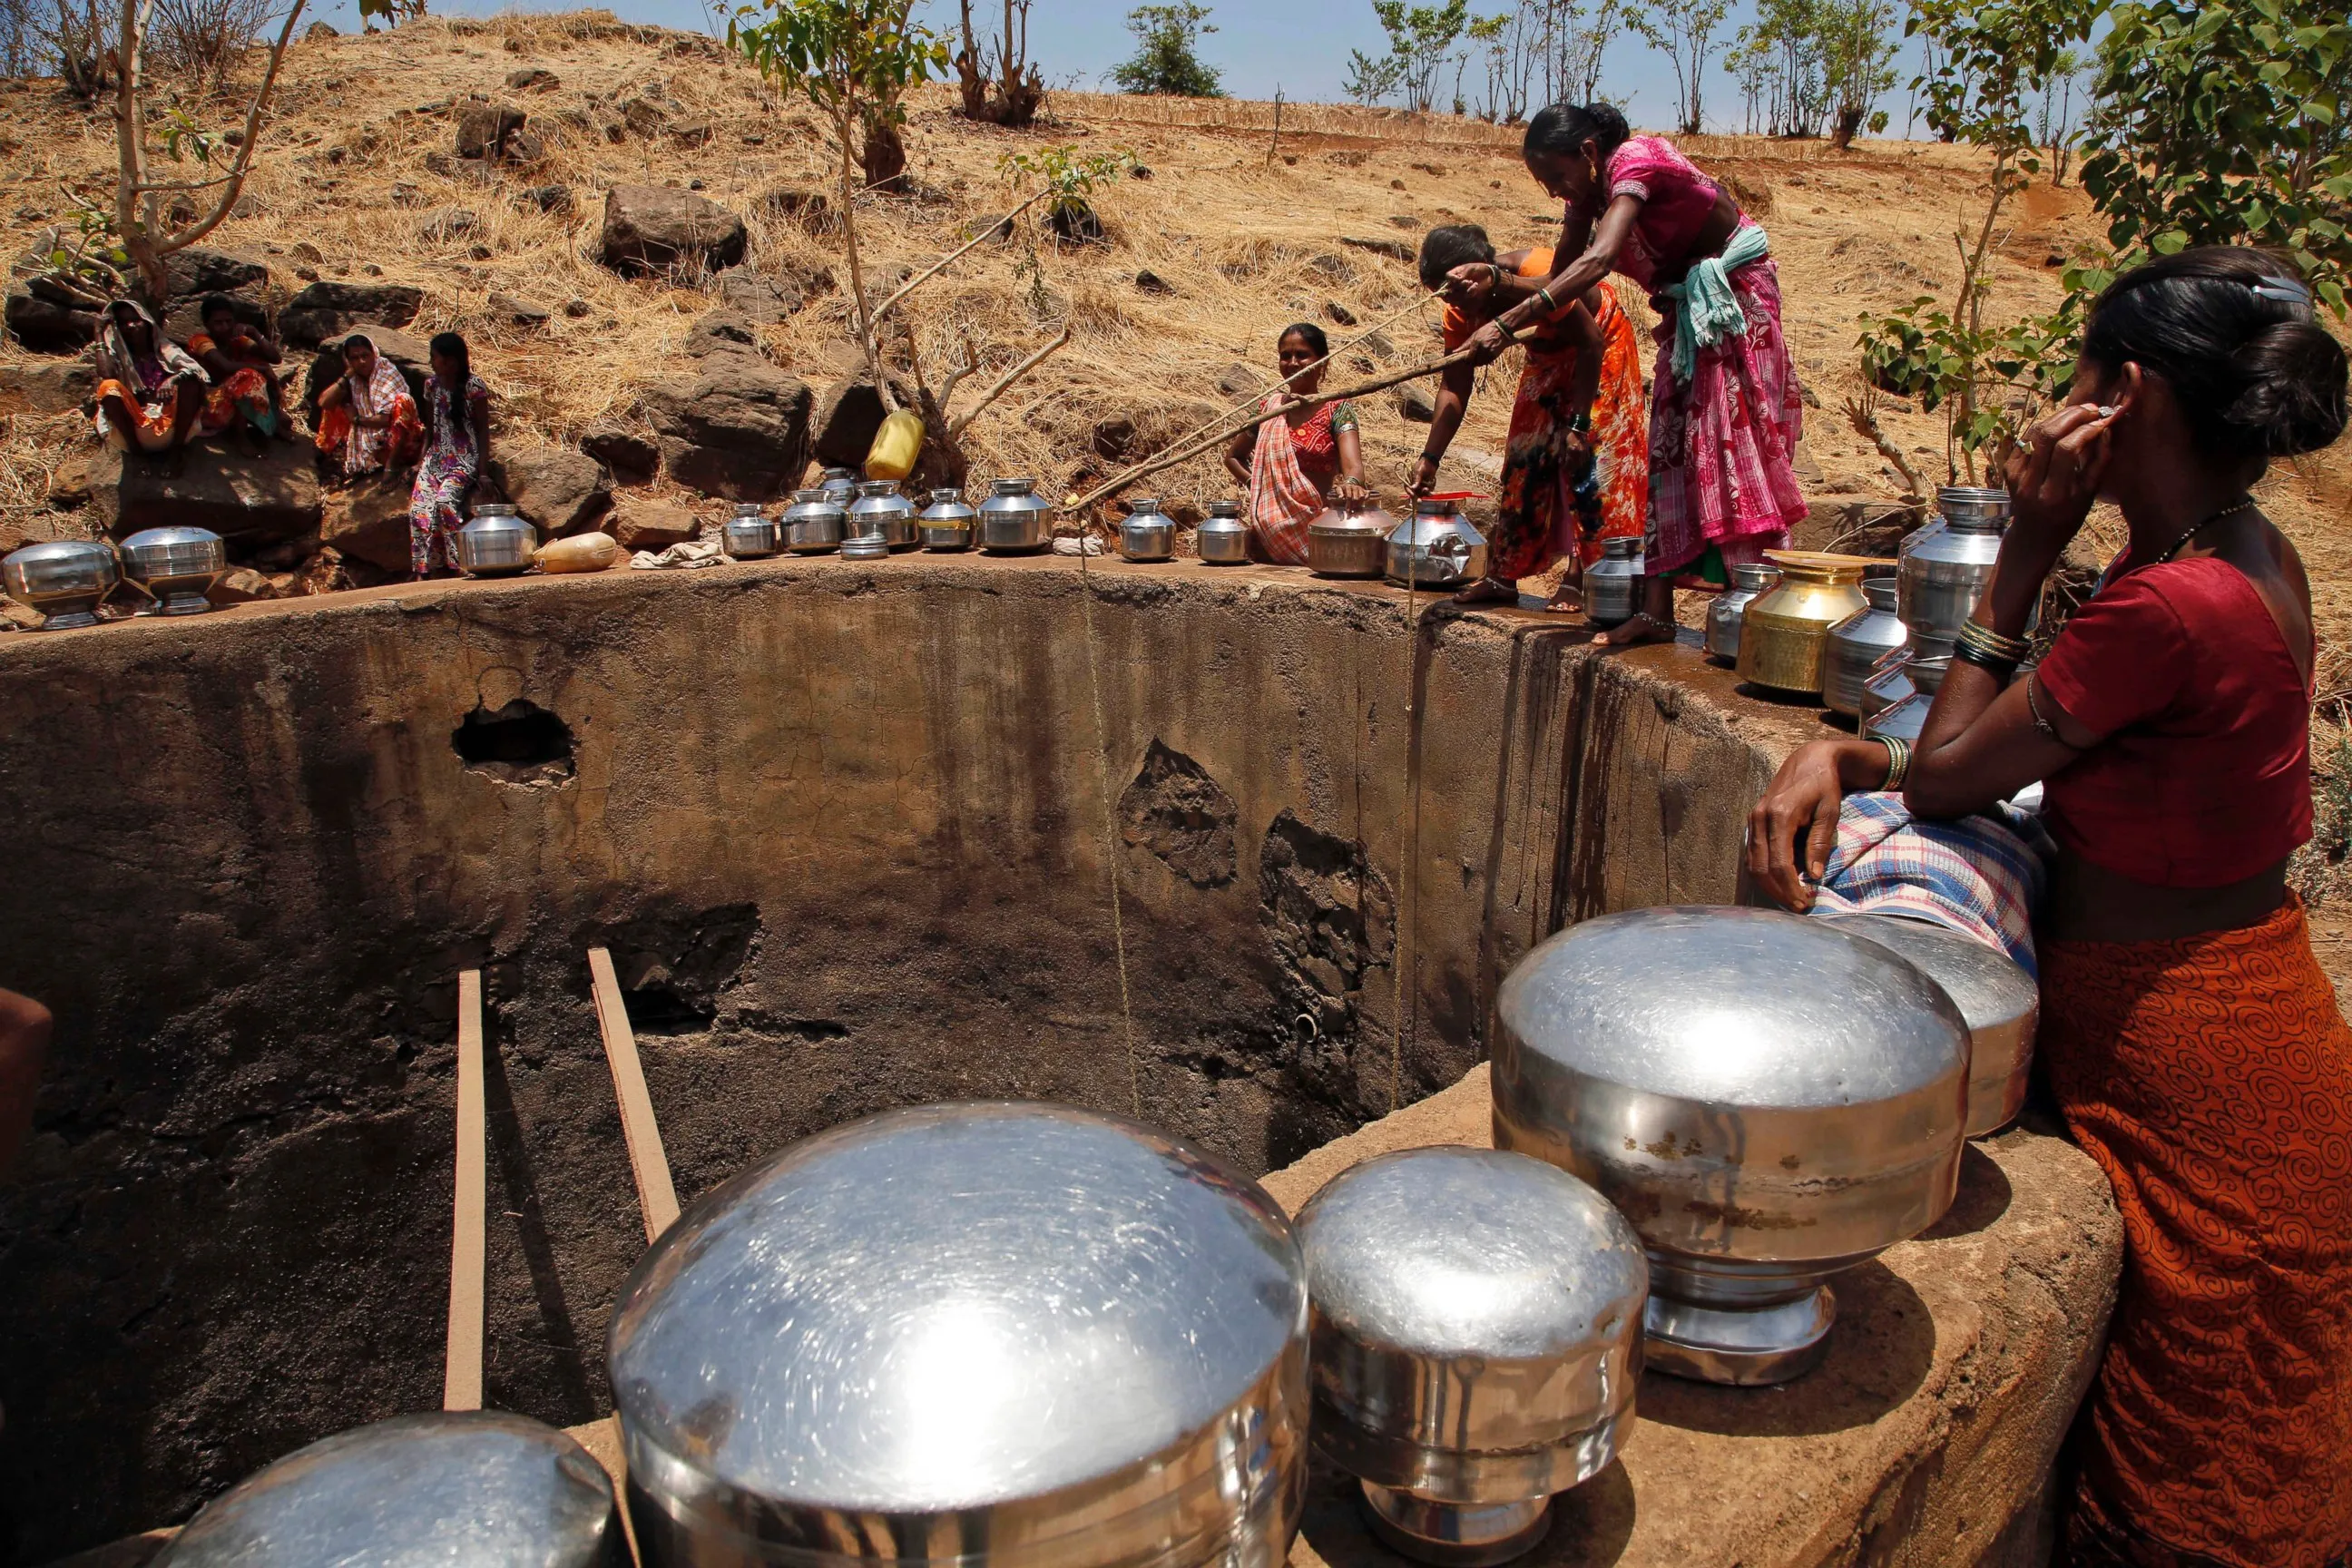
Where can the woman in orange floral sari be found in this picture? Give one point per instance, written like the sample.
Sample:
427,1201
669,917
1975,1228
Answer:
1577,467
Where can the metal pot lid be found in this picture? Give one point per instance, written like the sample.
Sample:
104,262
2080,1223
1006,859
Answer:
1459,1251
474,1488
488,522
61,550
951,1307
1734,1006
1984,983
171,538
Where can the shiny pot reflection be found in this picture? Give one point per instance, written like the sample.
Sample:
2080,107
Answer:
1999,1002
1477,1342
1750,581
65,579
477,1487
177,565
1146,534
1223,538
948,523
1017,1335
1767,1098
813,523
1612,584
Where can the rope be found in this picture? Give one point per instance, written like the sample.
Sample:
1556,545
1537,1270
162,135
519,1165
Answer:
1408,835
1110,833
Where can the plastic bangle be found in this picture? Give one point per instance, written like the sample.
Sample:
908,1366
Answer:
1995,665
1544,294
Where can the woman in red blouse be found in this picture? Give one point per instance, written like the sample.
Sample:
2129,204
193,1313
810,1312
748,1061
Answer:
2194,1044
1295,465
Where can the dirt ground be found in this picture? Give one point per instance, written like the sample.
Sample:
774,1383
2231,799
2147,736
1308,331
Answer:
1241,226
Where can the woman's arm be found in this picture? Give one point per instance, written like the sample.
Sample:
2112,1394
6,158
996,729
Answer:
1453,389
1599,256
477,413
336,394
1583,329
1237,456
1349,486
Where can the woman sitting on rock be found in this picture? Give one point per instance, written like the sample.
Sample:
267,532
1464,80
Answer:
458,430
367,420
151,393
1576,468
247,395
1295,465
2194,1044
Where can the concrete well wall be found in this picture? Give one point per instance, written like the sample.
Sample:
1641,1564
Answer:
842,828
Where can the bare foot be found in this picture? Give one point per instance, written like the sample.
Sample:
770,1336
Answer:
1568,599
1489,591
1643,627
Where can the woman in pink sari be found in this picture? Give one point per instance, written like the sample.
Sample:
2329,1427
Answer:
1725,409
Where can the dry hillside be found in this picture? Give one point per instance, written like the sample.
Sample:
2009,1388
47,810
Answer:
357,167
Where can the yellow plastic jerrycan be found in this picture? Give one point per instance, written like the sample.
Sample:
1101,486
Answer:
896,446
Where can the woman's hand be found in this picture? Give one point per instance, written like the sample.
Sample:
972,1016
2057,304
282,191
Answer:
2054,475
1576,450
1472,283
1351,488
1803,797
1424,478
1490,340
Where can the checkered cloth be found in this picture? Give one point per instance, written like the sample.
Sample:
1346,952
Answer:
1982,875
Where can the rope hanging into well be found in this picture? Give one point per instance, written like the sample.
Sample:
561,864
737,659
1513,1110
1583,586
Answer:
1110,832
1408,835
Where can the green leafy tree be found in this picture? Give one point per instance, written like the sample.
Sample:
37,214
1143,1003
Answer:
2223,122
1371,77
1686,31
1857,64
1167,59
1421,40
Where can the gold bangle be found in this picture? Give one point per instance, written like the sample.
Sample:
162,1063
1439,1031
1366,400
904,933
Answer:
1984,639
1898,762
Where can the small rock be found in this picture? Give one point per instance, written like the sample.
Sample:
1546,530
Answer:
479,253
632,457
1338,314
555,200
448,224
1378,345
483,127
810,209
761,297
1239,380
69,481
523,149
652,525
576,309
643,115
1396,184
692,133
319,33
304,250
722,331
648,228
244,585
1434,170
1112,438
561,491
1404,220
512,312
1289,161
1331,268
1152,283
405,195
533,78
1808,395
1139,172
1415,403
323,573
1395,249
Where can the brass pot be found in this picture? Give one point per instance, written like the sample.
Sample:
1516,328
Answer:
1783,634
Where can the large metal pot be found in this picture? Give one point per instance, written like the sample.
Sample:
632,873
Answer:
497,543
1854,645
812,524
1750,580
750,533
1436,548
1768,1100
1477,1342
177,565
1945,563
1612,584
1906,719
947,524
64,579
1350,540
1015,519
1784,633
994,1335
1145,534
1223,538
478,1487
1999,1002
881,509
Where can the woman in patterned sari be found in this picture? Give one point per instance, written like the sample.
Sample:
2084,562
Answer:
151,393
367,420
458,416
245,396
1577,467
1296,465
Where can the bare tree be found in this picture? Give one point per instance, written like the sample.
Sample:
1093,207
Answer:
1003,86
1686,30
197,42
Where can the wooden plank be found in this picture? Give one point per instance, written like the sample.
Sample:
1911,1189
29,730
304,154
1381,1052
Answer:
647,1162
461,1380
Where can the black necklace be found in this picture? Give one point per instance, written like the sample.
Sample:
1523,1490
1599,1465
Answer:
2243,503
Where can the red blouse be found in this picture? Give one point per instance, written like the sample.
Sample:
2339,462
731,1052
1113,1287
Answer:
2204,777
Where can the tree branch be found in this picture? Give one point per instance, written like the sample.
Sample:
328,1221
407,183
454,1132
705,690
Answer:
944,262
246,149
963,421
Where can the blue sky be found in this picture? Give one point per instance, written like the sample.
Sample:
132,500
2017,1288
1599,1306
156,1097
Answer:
1300,46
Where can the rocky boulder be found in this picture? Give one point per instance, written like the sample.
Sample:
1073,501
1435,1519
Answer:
1416,401
331,308
738,428
369,521
722,332
849,418
59,386
648,228
561,491
652,525
248,501
196,271
632,457
761,297
44,325
510,310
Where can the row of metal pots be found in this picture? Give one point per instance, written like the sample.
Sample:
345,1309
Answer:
66,579
1020,1335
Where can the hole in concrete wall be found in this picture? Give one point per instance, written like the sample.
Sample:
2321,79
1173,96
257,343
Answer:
1178,812
1329,916
520,744
673,966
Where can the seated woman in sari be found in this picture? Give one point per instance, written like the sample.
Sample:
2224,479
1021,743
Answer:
367,420
1577,467
2194,1044
151,393
1296,465
245,396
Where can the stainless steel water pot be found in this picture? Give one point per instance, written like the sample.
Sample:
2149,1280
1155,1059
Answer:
1750,581
2000,1003
65,579
498,542
1350,540
813,524
1015,519
881,509
996,1335
1436,547
1945,563
1612,584
478,1488
1223,538
840,486
177,565
948,523
1477,1342
1855,645
1767,1098
1906,718
750,533
1145,534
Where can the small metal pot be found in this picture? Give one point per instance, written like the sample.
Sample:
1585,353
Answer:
813,524
881,509
947,524
415,1491
1853,647
497,543
1436,548
1612,584
1014,519
750,533
1999,1002
866,547
840,486
1145,535
1477,1329
1350,540
177,565
65,579
1223,538
1907,718
1750,581
1783,634
1946,564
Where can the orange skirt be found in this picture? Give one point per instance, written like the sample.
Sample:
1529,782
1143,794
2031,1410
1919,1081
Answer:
2211,1079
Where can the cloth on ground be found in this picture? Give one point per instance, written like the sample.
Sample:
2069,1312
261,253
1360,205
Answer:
684,557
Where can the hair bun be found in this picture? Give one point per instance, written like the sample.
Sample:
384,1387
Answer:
1612,121
2293,391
